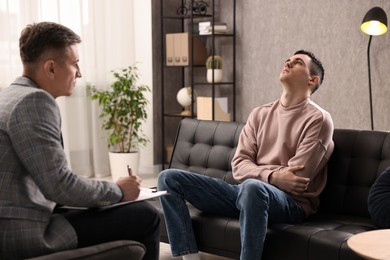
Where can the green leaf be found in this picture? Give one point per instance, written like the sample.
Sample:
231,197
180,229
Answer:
123,109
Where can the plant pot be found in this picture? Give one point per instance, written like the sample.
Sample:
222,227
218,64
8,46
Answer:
217,75
119,162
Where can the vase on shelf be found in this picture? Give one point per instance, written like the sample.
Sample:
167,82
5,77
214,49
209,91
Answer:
214,69
217,75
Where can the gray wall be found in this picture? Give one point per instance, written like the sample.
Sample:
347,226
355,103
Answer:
269,31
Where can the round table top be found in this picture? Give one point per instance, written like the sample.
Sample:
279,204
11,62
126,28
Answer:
371,244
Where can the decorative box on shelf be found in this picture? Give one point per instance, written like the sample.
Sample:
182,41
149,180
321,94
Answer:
204,108
178,50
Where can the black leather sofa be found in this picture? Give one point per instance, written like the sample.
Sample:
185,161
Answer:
207,147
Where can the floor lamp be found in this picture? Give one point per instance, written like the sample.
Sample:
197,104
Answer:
374,23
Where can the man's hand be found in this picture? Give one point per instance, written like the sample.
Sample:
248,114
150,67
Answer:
288,181
130,186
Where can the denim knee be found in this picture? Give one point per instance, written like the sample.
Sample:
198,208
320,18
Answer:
252,186
252,191
161,180
165,176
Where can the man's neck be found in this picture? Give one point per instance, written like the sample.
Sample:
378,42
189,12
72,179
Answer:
291,99
38,79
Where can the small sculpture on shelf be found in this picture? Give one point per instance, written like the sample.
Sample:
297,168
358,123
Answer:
214,69
198,7
184,97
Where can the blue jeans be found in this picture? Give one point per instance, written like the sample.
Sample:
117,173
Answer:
254,202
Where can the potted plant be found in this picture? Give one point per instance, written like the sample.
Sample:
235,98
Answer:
214,69
123,112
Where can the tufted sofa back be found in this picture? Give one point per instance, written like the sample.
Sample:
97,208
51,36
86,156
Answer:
359,157
207,147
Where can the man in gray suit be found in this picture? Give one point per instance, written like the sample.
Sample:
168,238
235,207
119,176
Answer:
34,175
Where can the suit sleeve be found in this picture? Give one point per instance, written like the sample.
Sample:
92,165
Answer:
35,129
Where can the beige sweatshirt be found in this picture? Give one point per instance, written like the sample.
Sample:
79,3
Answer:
276,137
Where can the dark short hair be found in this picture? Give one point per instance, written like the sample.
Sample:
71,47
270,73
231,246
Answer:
37,38
316,67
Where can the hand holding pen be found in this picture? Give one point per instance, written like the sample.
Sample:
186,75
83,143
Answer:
130,185
129,171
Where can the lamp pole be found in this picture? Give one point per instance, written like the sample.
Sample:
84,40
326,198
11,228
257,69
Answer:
374,23
369,82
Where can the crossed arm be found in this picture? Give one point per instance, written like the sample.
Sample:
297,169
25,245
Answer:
289,169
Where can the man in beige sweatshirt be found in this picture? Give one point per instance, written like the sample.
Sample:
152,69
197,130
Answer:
280,163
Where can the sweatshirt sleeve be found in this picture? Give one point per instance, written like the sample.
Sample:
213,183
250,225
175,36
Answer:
315,147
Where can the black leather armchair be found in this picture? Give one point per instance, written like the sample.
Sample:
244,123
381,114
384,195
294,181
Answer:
118,250
207,147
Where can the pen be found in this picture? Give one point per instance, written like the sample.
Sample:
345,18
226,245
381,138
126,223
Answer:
129,171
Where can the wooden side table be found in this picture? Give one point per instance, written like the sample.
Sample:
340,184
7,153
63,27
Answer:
373,245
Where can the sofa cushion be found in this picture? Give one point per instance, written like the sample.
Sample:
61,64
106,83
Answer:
118,250
321,237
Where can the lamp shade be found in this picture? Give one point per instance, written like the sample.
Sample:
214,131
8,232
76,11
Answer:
374,22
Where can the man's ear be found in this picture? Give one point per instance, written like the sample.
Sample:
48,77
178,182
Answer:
48,67
314,80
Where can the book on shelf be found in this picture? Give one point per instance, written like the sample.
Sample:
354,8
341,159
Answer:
210,27
209,23
205,108
206,28
209,32
216,27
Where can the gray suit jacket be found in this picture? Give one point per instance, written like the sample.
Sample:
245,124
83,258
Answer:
34,176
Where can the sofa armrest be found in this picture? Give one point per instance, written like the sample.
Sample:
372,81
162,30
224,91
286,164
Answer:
118,250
